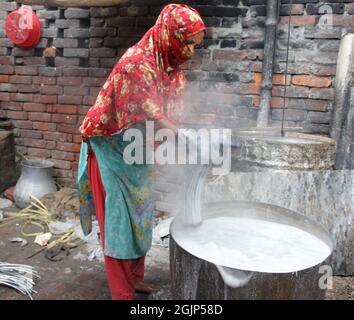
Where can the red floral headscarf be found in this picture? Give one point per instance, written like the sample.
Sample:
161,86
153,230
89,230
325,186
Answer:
147,82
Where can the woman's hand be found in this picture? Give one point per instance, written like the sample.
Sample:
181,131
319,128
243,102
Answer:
164,123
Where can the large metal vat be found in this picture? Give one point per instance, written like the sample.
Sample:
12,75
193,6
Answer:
294,172
195,278
265,148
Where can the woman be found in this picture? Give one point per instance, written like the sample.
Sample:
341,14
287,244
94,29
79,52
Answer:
146,84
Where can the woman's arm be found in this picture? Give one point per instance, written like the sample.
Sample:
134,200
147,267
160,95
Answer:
164,123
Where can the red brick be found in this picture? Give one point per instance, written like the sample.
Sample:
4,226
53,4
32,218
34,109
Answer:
36,116
255,101
34,107
61,164
23,150
322,93
16,115
25,97
10,105
50,90
26,70
34,134
90,101
320,70
7,69
41,153
303,104
299,20
297,9
279,102
237,55
66,109
36,143
23,124
94,91
342,21
62,155
257,79
83,109
70,147
291,91
61,173
62,118
34,61
317,105
8,87
4,78
94,82
21,79
70,99
350,8
7,60
45,98
4,96
68,129
77,138
44,80
45,126
74,90
27,88
280,79
249,88
56,136
311,81
19,141
75,165
69,81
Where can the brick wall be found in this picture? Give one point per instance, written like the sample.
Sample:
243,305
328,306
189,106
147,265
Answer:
48,98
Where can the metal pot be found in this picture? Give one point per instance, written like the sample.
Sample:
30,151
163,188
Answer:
193,277
36,180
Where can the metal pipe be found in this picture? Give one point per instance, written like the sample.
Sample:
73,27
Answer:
268,62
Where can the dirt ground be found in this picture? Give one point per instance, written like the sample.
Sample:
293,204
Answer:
77,278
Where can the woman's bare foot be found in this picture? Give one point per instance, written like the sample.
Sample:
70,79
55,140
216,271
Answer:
142,287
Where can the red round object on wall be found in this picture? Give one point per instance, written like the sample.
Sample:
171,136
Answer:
23,27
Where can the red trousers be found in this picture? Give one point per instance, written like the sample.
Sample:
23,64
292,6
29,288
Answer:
121,274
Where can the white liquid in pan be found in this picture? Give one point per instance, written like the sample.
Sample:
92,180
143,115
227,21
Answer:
252,244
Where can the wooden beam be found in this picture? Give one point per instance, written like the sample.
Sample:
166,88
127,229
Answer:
73,3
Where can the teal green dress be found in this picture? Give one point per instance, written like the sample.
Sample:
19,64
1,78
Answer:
129,203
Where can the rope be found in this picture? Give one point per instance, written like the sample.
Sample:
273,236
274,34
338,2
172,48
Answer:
286,70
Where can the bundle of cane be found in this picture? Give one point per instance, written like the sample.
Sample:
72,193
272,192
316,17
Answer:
19,277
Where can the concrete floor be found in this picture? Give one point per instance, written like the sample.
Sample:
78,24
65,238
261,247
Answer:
77,278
